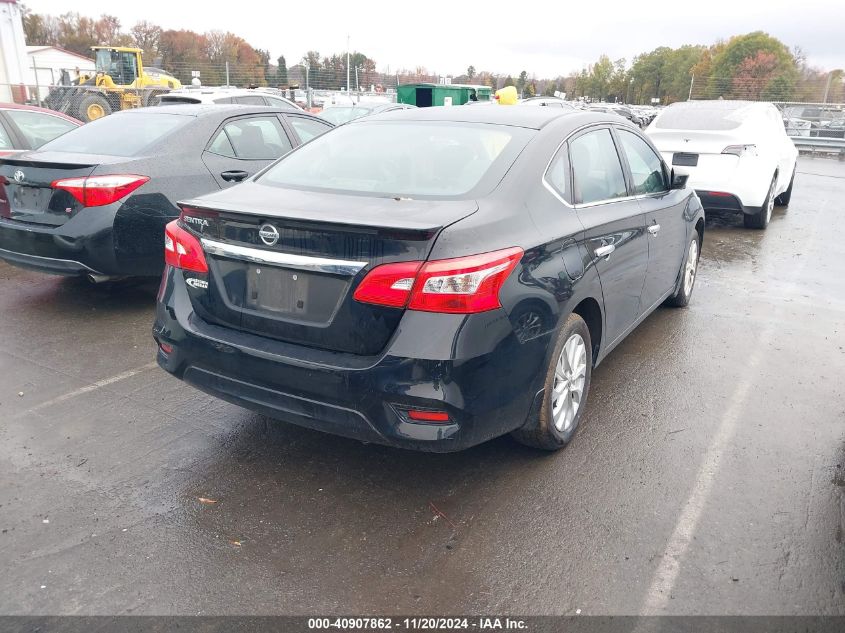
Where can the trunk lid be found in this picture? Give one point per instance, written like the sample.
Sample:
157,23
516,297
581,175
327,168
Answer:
299,287
25,182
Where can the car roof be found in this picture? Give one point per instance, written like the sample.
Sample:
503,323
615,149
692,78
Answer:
534,118
20,106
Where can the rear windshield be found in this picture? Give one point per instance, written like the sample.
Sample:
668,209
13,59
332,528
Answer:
118,134
402,159
702,117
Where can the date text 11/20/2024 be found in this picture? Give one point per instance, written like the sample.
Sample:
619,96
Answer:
417,624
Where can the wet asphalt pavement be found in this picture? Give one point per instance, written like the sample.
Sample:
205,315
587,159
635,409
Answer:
708,475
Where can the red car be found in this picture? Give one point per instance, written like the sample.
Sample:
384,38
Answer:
25,127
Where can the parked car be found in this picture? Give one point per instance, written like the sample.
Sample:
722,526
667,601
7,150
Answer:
243,96
95,201
553,102
24,127
736,153
343,113
431,293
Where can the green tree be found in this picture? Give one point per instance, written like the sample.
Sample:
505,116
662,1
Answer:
508,82
520,82
728,63
281,72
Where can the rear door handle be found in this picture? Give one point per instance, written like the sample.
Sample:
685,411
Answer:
654,229
234,175
604,251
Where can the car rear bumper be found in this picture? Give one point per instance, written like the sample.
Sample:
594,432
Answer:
487,388
727,182
48,249
83,245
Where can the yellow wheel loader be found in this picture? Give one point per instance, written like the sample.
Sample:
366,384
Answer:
119,83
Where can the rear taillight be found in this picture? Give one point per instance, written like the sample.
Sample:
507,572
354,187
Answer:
183,250
462,285
96,191
739,150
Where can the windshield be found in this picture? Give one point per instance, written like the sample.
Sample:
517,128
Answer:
121,134
402,159
344,115
702,116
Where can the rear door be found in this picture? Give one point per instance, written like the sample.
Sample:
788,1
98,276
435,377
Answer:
615,236
664,210
244,145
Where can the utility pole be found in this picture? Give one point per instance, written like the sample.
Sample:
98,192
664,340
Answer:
827,87
691,82
227,74
347,63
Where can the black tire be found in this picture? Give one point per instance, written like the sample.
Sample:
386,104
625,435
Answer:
683,294
760,220
783,199
90,104
542,432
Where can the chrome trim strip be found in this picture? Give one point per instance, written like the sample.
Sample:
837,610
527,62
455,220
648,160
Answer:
287,260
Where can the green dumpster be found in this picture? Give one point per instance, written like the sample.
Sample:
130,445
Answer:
424,95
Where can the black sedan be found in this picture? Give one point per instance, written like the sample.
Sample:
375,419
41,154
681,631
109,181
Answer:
429,279
95,201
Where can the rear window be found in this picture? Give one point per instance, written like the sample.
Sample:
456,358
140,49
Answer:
402,159
702,117
344,115
118,134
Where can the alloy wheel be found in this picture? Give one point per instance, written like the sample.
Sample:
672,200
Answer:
568,387
691,267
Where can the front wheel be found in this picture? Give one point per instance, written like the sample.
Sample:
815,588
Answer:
689,269
566,388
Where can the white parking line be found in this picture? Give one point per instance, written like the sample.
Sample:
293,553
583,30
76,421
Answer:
666,575
87,389
663,582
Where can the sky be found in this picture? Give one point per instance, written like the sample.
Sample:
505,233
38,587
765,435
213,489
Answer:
547,38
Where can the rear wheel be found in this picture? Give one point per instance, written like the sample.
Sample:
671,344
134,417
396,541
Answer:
93,107
688,271
784,198
566,388
760,220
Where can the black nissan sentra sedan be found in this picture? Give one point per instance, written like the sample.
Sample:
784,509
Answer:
95,201
429,279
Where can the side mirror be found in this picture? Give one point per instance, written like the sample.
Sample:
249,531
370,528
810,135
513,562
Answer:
679,181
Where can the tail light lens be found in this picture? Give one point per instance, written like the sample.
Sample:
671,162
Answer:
183,250
96,191
388,285
739,150
462,285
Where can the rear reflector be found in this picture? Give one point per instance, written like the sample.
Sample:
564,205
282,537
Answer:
183,250
167,349
96,191
428,416
463,285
